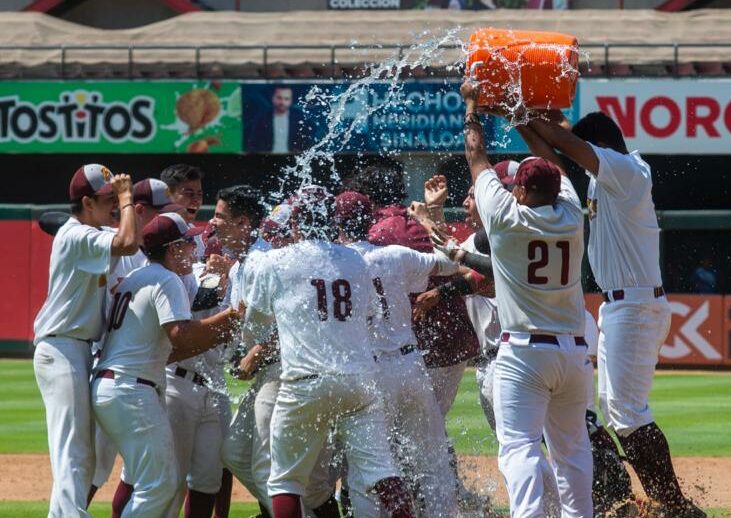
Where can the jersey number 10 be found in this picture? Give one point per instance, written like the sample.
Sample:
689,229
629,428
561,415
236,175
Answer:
538,255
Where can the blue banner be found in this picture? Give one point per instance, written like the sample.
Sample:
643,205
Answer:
372,117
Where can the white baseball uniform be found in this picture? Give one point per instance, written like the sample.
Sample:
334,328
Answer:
104,449
69,321
129,404
624,253
198,408
416,425
540,387
246,447
319,293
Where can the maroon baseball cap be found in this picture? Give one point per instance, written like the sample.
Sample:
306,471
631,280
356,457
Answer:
152,192
506,171
167,228
351,205
90,180
540,175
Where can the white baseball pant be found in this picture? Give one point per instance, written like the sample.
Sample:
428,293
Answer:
106,454
199,420
305,413
246,448
133,416
485,374
445,381
416,431
62,368
631,333
540,390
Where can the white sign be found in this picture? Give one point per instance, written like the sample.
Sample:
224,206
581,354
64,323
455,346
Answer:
672,116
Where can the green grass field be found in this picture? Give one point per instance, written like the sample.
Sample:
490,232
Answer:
693,409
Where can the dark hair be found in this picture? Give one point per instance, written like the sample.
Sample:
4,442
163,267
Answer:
383,184
174,174
156,254
243,200
76,207
599,129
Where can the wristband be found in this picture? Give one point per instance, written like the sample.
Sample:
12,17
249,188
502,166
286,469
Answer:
472,118
127,205
456,287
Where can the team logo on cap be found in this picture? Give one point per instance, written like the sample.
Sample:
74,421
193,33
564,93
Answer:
106,174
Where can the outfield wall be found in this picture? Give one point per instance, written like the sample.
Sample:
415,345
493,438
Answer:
700,333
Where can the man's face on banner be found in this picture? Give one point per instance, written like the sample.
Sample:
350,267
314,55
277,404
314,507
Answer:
282,100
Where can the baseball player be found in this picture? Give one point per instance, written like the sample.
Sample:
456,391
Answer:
149,196
149,325
482,310
197,401
71,319
536,238
624,253
319,294
186,189
416,426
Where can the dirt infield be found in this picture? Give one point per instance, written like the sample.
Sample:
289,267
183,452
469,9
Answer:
28,478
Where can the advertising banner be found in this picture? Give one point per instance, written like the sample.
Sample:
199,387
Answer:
672,116
696,334
289,117
120,117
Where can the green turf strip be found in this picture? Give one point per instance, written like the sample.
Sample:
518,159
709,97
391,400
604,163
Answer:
694,410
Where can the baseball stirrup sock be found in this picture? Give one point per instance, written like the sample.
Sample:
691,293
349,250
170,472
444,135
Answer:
395,497
121,496
223,497
92,491
648,452
329,509
199,505
287,505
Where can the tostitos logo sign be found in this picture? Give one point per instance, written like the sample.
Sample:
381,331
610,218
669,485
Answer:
673,116
77,116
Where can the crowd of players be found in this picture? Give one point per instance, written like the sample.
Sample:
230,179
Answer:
355,317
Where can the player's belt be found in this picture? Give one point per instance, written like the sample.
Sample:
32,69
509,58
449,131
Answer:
616,295
545,339
110,374
195,377
72,338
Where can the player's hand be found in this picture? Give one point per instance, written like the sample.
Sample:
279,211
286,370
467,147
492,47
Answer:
469,90
250,363
418,211
121,184
435,191
424,303
447,245
218,265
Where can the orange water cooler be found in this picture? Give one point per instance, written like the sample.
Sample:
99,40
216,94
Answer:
539,67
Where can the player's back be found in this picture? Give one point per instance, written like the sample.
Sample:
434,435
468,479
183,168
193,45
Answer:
396,272
136,343
320,293
536,257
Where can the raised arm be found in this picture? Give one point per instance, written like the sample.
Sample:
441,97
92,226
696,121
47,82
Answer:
474,140
126,241
561,138
539,147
